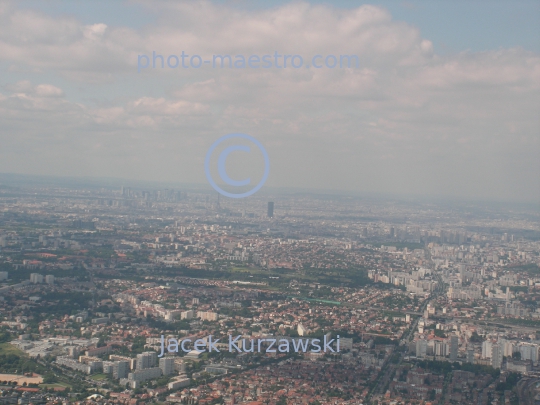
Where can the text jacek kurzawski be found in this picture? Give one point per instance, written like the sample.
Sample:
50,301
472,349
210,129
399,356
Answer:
251,345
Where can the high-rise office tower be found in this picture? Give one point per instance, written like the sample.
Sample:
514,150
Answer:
270,209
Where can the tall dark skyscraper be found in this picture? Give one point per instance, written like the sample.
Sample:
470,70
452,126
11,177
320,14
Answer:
270,209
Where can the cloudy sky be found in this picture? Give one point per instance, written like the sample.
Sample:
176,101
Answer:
445,100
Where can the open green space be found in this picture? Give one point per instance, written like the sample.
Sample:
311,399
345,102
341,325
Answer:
7,348
316,300
249,270
530,268
13,360
402,245
276,279
55,385
98,377
522,322
394,313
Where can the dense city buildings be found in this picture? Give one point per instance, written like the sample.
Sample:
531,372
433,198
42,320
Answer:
432,303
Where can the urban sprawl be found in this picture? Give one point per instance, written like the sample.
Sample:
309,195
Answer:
114,295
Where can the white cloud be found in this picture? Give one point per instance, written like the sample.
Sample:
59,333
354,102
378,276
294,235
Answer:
48,90
94,31
406,120
25,88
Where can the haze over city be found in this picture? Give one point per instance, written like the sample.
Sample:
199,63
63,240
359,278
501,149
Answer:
269,202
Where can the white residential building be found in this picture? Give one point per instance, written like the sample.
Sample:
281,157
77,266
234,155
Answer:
166,364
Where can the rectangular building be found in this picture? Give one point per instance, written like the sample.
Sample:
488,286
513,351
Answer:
146,374
270,212
166,364
146,360
120,369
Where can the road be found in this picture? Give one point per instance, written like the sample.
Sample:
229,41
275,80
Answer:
388,368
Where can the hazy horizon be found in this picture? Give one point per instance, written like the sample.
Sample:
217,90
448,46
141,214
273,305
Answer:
85,182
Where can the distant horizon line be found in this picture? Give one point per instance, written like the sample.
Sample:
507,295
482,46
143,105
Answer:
116,182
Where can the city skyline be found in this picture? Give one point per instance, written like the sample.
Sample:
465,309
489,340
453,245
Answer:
153,291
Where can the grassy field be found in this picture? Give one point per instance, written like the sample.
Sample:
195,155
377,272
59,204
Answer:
248,270
98,377
394,313
401,245
6,348
55,385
